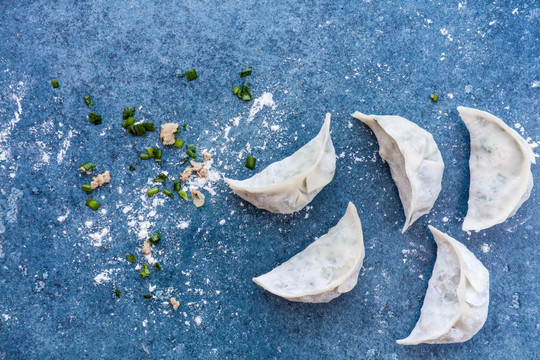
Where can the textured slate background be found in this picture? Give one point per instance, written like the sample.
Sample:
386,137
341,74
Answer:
313,57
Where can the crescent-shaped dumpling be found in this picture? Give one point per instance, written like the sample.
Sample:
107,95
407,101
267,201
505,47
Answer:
415,162
325,269
288,185
500,166
456,304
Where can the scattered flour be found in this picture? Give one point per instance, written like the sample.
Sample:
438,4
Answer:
259,103
97,237
63,218
485,248
102,277
198,320
183,224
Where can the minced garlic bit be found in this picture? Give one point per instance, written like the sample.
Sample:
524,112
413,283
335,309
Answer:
101,179
207,156
167,133
186,174
197,197
146,248
175,303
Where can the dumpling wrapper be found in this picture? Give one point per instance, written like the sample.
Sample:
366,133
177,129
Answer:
290,184
415,162
500,167
456,303
325,269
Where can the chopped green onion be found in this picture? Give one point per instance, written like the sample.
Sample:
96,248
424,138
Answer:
160,178
131,257
144,156
157,266
434,97
235,90
179,143
155,238
94,118
250,162
118,293
177,186
184,126
150,151
92,204
183,195
54,83
153,191
243,92
128,112
191,154
131,168
87,167
126,124
157,155
88,100
147,296
168,193
145,270
191,74
86,188
148,126
245,72
137,130
191,147
185,160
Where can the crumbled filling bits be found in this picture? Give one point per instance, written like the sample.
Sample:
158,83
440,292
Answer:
175,303
146,248
203,173
197,166
197,197
167,133
101,179
207,156
186,174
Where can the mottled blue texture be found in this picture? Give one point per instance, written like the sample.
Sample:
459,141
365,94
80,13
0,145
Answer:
314,57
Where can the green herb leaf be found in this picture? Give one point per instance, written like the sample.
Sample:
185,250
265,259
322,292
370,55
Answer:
118,293
157,266
152,191
177,186
243,92
245,72
250,162
434,97
155,238
88,100
86,188
54,83
131,257
160,178
94,118
92,204
147,296
128,112
184,126
145,270
131,168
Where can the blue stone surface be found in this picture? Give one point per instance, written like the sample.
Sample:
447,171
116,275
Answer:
60,262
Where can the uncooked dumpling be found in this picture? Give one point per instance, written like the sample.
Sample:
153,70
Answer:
500,166
325,269
288,185
415,162
456,304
